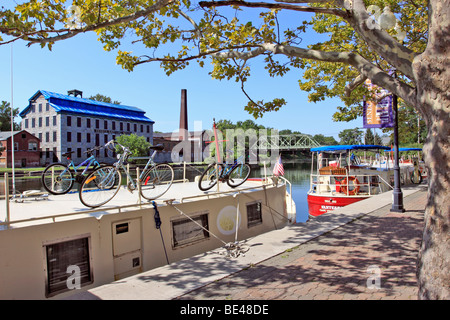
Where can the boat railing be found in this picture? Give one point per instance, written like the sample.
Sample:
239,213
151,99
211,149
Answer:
348,184
122,208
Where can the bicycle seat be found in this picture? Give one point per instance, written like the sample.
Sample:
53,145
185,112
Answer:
67,154
158,147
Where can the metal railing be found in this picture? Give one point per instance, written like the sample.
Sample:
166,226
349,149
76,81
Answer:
121,208
363,184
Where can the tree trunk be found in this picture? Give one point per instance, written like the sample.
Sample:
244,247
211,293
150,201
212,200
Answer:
432,71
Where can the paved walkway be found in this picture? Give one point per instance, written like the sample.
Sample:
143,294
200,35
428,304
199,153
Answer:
373,257
329,257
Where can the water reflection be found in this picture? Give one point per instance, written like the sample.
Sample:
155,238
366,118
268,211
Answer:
299,175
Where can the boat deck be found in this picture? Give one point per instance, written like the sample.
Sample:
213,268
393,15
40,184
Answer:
68,206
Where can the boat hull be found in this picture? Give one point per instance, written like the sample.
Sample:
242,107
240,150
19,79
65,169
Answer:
320,204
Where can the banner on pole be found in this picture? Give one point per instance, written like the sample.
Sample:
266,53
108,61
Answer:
378,114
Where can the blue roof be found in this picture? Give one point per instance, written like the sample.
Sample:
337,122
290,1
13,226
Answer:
343,148
87,107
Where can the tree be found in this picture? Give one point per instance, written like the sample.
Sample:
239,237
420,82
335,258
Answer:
351,136
377,139
5,117
102,98
356,49
411,126
369,137
325,141
138,145
242,136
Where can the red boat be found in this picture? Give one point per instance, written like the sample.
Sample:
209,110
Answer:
319,205
340,179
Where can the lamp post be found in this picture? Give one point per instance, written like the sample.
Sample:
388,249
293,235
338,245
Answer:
387,20
397,203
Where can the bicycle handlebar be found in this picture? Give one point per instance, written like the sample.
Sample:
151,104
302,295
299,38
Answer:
111,142
126,150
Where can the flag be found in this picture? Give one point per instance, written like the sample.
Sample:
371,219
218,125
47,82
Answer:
278,169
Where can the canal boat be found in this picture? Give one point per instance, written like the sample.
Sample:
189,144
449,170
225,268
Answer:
57,248
411,159
416,166
339,176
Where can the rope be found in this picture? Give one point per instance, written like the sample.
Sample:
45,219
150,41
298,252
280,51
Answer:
198,224
270,208
233,250
158,226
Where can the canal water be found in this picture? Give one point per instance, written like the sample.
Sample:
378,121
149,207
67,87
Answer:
297,173
299,176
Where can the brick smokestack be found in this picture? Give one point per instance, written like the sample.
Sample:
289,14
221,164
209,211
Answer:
183,132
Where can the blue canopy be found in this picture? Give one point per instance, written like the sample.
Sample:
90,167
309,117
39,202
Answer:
343,148
409,149
404,149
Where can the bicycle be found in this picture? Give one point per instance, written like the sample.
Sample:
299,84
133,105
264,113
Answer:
234,174
58,178
102,185
416,176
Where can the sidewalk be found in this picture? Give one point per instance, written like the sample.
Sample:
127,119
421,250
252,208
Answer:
337,265
326,258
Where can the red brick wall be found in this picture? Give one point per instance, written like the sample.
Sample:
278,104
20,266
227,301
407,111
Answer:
23,157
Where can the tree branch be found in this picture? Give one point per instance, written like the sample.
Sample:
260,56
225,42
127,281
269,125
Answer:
354,84
306,1
71,33
381,42
240,55
366,69
213,53
239,3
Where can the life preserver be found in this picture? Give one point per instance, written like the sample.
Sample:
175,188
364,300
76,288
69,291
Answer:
345,188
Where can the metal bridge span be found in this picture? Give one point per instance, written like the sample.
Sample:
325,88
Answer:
286,142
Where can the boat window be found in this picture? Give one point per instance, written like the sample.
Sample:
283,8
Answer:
254,214
68,265
185,231
122,228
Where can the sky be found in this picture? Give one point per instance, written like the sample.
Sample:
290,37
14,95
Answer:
81,63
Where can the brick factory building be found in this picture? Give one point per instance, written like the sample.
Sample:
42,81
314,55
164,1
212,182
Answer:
26,149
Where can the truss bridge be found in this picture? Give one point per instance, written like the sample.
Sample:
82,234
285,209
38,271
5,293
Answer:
287,142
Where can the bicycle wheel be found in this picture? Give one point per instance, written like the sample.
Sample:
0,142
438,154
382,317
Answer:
239,175
100,186
208,179
57,178
156,181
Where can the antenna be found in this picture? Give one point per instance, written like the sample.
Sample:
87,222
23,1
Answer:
12,128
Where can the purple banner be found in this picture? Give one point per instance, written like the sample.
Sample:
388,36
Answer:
378,115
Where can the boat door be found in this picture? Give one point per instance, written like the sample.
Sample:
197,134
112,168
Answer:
127,255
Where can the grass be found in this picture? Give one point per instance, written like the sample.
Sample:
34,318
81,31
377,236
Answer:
9,170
